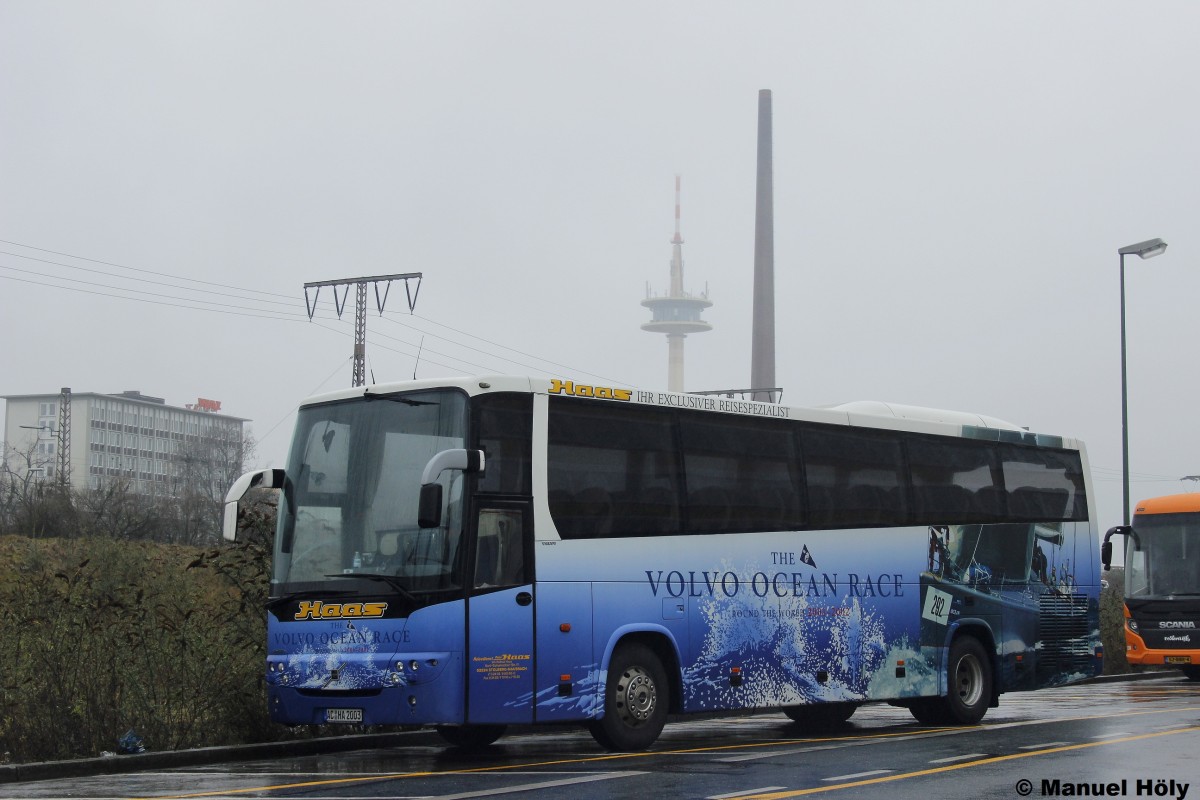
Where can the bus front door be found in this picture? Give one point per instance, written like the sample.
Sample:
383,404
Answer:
500,666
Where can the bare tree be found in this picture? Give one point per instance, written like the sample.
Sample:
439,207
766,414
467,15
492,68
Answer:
208,466
187,509
27,505
116,511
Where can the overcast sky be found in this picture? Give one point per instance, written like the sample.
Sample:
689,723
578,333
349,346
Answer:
952,183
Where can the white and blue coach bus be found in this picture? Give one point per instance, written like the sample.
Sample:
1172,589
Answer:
484,552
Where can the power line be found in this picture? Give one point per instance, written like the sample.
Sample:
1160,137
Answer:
284,314
311,392
264,315
481,339
493,355
122,278
261,313
134,269
430,360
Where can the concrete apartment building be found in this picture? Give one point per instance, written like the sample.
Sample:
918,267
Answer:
128,437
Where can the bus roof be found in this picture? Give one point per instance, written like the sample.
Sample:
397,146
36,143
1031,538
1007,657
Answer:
898,411
1170,504
875,414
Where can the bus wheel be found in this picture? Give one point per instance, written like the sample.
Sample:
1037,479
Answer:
820,715
970,676
635,700
928,711
1193,673
470,737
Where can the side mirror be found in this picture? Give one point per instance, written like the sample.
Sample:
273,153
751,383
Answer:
429,509
259,479
1106,547
429,506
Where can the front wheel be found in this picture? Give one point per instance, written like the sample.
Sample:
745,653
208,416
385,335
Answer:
470,737
636,698
1192,673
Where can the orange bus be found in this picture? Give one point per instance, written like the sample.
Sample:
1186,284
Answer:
1162,582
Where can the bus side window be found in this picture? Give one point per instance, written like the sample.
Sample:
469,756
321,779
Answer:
500,549
504,422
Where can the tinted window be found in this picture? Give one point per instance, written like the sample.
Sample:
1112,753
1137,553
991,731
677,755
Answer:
954,481
742,474
855,478
614,470
1043,485
629,470
504,425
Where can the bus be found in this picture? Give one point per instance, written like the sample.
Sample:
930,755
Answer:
1162,582
484,552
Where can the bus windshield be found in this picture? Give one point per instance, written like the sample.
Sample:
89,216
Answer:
349,514
1163,558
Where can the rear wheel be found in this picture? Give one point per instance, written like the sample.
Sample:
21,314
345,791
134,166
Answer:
820,715
470,737
636,698
970,675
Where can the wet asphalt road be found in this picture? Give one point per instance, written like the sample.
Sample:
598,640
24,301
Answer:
1123,739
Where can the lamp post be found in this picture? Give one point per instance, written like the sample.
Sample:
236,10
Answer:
37,428
1147,249
39,472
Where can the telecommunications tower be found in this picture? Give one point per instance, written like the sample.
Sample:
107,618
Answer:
678,313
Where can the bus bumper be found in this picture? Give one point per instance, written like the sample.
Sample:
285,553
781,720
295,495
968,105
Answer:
1137,654
413,692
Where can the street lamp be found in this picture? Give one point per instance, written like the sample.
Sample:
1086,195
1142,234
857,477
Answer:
1147,249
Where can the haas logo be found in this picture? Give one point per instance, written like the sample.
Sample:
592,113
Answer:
580,390
315,609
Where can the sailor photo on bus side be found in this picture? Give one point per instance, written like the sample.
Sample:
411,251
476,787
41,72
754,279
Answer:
1024,572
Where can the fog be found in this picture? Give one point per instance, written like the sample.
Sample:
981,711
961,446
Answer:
952,184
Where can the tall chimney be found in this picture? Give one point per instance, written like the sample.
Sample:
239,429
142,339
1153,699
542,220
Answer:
762,344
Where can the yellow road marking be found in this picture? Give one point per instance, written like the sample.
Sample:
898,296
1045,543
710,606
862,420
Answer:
953,767
556,763
695,750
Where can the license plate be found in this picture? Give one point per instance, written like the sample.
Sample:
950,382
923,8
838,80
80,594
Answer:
1179,659
343,715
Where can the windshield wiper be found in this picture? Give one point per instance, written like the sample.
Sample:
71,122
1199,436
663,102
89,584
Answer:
390,580
395,398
